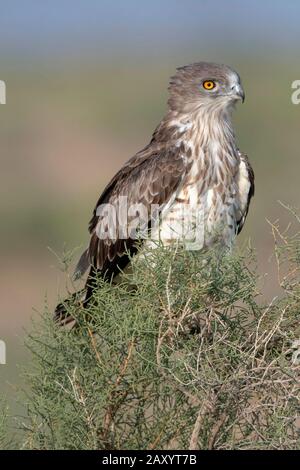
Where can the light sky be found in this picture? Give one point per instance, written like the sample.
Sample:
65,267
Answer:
66,26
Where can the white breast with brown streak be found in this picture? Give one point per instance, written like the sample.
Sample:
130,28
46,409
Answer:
204,208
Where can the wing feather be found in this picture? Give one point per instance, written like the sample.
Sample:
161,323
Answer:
246,188
150,177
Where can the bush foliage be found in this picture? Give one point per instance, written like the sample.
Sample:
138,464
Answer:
180,354
5,441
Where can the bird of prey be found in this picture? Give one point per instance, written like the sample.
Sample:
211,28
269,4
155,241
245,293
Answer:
192,160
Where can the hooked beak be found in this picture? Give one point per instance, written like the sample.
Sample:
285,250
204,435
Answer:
238,92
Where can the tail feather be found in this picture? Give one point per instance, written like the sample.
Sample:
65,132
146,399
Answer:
80,299
62,315
82,265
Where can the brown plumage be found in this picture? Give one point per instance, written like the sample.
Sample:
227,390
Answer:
191,159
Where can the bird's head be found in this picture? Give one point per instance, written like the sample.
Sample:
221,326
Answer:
204,84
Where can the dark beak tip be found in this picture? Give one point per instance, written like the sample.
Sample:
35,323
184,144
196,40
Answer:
242,96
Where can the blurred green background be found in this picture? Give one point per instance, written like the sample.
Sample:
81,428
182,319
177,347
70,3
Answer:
86,85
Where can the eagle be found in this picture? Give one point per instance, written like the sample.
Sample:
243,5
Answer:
192,161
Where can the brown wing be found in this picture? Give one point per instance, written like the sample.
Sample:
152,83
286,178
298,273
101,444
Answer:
152,176
246,188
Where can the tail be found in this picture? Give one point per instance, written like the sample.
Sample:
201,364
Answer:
62,315
78,301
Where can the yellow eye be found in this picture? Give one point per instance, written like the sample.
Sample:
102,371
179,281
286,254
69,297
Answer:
209,84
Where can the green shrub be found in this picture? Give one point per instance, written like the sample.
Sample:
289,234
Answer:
4,426
180,354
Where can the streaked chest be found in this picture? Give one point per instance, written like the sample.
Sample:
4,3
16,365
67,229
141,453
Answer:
211,179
